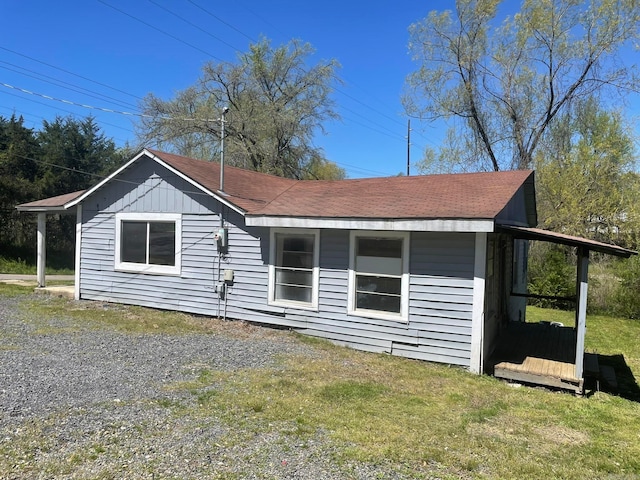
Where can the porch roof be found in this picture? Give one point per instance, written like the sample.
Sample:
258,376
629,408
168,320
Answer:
529,233
51,204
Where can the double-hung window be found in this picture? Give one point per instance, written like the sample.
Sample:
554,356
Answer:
293,269
148,243
379,275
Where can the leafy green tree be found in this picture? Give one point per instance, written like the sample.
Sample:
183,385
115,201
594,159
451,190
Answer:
503,85
74,155
321,169
64,156
18,177
586,180
551,273
276,104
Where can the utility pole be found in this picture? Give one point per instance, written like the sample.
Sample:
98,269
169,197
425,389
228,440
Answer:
224,112
408,146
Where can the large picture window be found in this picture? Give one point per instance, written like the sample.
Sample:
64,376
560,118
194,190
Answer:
378,275
148,243
293,274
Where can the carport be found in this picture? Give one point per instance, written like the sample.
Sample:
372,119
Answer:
51,206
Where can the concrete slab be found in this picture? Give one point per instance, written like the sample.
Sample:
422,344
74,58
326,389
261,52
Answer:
32,281
59,291
33,278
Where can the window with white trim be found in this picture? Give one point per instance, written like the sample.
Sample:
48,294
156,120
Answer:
293,269
379,275
148,243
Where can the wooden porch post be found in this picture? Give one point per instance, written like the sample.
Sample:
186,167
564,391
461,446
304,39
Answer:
42,248
581,308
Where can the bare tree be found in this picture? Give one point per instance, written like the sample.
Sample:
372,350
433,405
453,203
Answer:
504,84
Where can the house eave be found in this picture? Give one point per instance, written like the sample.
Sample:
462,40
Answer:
59,209
383,224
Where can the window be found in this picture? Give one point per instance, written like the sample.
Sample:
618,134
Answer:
378,275
148,243
293,270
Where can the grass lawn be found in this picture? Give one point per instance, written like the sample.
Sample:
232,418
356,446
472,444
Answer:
426,417
21,267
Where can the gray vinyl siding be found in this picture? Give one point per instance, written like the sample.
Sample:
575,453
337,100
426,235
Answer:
192,291
148,187
441,297
440,307
441,273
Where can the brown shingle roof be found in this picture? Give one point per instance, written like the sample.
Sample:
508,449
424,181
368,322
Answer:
473,195
467,195
51,203
450,196
247,189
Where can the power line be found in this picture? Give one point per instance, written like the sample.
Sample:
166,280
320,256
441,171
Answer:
153,27
60,83
70,73
221,20
25,113
193,24
107,110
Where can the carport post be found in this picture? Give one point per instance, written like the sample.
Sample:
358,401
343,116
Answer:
42,248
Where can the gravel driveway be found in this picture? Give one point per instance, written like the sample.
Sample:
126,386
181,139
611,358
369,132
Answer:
95,403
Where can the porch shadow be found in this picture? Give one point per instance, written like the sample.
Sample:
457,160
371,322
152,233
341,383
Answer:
536,354
627,386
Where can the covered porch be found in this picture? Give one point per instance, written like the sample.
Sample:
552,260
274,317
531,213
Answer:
539,354
546,353
53,206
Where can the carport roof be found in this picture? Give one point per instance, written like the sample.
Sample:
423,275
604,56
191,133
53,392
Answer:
529,233
51,204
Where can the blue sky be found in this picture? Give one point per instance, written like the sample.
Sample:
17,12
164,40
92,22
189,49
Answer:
111,53
124,50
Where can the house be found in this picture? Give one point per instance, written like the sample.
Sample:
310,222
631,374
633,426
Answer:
425,267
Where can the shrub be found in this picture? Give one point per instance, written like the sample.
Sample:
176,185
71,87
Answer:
626,297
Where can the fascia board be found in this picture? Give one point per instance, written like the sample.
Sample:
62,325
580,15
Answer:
426,225
41,209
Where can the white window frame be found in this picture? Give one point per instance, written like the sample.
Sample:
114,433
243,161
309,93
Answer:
174,269
403,315
313,305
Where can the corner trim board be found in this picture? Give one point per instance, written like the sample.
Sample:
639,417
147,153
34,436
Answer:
477,322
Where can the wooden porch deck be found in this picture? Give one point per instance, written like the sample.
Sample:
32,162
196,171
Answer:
536,353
